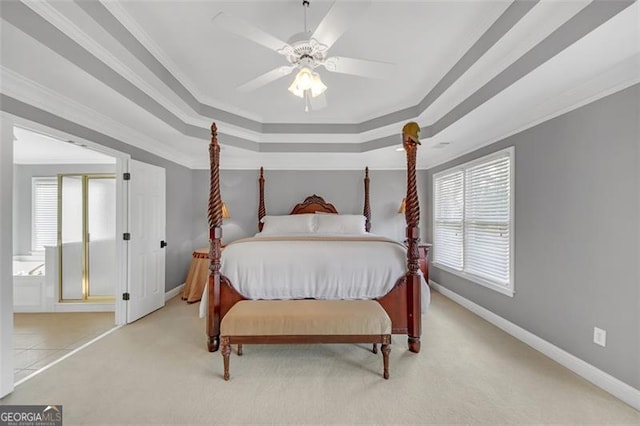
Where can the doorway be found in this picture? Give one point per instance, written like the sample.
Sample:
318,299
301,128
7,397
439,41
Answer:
125,265
64,250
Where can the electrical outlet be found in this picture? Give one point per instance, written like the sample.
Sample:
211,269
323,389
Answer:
599,336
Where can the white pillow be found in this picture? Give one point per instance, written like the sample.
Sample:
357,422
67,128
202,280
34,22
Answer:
288,224
341,224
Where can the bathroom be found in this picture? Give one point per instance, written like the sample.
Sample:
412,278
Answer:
63,227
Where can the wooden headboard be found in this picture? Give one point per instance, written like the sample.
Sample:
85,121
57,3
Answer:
313,203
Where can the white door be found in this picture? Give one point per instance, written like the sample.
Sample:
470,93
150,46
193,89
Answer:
146,257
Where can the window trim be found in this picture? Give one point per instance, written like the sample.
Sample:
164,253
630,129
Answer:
506,152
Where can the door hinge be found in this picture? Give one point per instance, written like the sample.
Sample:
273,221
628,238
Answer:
125,296
126,176
126,236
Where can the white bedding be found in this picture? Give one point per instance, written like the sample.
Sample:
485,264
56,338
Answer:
314,266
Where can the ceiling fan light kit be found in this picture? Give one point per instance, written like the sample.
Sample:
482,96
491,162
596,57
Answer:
307,80
305,51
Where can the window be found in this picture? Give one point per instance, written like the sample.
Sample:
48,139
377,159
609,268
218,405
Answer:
44,217
473,220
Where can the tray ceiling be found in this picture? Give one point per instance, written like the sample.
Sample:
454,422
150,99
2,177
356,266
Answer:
155,73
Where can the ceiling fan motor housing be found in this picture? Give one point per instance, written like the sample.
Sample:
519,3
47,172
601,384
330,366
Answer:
302,47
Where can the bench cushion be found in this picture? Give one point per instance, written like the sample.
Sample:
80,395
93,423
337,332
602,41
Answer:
305,318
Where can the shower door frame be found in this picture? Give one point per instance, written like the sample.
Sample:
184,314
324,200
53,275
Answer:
86,297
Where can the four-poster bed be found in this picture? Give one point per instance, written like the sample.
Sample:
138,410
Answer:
400,296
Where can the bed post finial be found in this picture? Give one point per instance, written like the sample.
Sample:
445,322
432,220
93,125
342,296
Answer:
367,208
261,209
215,240
410,142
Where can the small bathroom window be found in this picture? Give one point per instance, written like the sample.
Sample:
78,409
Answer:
44,224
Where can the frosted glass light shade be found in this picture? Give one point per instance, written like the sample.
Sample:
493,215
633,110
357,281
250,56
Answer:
307,80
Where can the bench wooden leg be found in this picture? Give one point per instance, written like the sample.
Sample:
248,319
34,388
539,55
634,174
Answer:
239,349
375,348
386,349
226,351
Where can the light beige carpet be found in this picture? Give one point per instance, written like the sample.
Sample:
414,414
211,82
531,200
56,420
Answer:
157,370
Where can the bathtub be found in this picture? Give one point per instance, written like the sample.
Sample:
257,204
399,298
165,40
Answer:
36,286
28,267
29,284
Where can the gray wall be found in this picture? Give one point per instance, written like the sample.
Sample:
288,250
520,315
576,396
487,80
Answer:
179,178
576,233
22,197
284,188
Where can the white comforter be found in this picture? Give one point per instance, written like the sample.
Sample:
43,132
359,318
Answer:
320,267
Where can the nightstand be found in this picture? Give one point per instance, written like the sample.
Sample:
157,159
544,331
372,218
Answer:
197,275
423,249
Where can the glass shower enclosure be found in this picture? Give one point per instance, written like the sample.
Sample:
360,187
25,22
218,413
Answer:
87,237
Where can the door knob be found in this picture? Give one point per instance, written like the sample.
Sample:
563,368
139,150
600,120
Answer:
163,244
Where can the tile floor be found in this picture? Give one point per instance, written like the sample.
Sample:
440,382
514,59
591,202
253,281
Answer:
41,338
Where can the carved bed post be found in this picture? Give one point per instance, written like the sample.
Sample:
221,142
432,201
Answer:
410,142
367,208
215,239
261,210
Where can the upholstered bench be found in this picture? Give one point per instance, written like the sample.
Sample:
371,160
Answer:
305,321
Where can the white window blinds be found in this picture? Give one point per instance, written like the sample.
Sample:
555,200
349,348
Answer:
449,210
44,221
473,223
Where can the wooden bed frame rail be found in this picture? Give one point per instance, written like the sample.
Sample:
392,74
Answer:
402,303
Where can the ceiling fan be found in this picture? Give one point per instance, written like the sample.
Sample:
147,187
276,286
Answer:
306,51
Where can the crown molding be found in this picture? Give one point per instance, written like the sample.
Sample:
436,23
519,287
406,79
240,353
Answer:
39,96
284,134
297,143
495,31
32,93
517,42
67,27
120,13
624,75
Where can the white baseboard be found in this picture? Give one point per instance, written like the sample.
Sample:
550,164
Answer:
173,292
603,380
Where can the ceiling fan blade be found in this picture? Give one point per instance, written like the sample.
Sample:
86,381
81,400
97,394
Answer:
266,78
362,67
318,102
249,31
338,19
